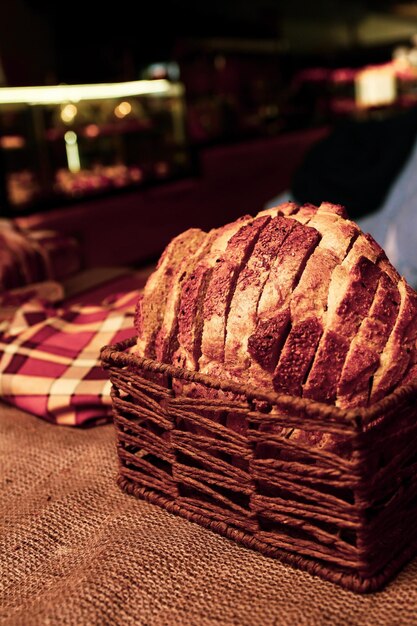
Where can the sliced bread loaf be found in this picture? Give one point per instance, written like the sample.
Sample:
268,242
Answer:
296,299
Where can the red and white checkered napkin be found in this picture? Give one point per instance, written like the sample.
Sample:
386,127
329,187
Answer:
50,358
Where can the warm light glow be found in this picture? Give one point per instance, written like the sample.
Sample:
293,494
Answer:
68,113
57,94
122,109
11,142
73,155
375,86
92,130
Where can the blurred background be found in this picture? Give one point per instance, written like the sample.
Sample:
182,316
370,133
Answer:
210,110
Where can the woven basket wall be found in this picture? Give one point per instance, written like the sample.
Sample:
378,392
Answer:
346,513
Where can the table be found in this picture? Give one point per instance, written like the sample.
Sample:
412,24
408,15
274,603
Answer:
76,550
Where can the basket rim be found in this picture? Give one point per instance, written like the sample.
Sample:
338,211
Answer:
359,417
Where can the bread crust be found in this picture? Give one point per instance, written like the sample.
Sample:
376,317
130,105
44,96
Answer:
193,290
309,299
363,358
221,288
242,317
150,313
166,340
273,312
395,359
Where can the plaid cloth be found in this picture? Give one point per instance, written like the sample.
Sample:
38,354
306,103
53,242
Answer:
28,256
49,357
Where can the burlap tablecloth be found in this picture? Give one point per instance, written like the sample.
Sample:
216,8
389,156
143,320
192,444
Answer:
76,550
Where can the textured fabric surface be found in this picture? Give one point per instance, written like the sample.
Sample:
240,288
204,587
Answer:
31,256
75,550
49,357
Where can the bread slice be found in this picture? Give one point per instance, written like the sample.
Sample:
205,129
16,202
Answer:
272,317
396,356
286,269
273,311
193,290
292,210
363,358
351,294
305,213
333,209
284,210
221,288
309,299
242,319
366,246
166,340
150,312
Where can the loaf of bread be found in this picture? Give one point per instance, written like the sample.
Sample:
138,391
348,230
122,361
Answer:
296,299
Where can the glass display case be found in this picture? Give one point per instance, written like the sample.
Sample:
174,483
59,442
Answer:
69,141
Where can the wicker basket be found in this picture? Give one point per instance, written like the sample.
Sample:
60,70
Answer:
347,515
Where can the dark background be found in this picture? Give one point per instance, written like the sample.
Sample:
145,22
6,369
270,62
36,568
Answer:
45,42
250,116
